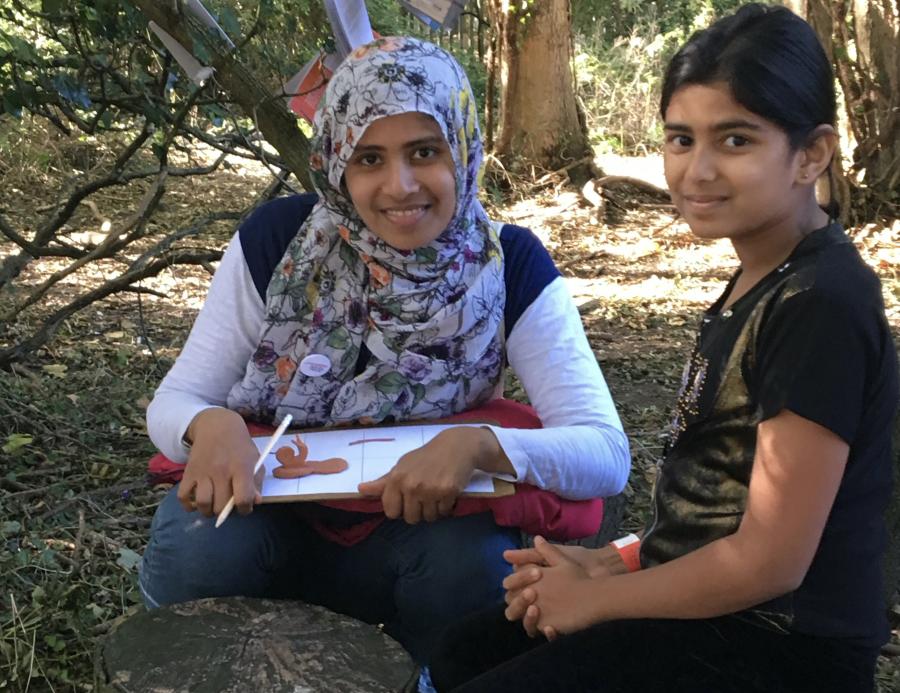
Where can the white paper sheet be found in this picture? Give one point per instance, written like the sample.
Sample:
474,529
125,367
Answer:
370,453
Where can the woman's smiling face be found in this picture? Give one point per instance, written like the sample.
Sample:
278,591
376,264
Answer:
731,173
401,180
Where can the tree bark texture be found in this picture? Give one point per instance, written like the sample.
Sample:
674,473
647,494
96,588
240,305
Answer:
237,644
540,121
862,37
871,86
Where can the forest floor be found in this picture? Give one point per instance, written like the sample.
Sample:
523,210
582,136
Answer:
75,506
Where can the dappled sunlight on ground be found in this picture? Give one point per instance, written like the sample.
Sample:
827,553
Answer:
638,277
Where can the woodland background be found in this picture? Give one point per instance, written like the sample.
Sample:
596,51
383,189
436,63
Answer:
121,182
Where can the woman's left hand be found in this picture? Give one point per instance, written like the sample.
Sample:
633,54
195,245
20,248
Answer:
425,483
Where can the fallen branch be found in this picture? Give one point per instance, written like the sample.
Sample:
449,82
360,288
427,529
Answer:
581,258
87,496
615,181
548,177
589,306
107,249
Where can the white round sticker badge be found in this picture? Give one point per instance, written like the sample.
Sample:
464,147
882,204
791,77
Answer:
315,365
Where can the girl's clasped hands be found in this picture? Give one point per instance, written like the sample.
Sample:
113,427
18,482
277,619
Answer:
552,586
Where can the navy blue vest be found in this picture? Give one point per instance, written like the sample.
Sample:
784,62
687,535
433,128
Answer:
265,235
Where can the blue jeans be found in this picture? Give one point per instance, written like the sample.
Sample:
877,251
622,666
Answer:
415,579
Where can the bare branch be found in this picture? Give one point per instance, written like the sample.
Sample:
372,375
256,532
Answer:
37,251
114,177
192,230
106,249
123,282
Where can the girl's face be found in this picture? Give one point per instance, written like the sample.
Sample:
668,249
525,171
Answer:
731,173
402,181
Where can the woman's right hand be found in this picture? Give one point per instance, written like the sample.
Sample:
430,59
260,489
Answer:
220,464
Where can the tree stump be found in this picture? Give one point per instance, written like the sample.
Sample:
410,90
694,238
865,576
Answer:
241,644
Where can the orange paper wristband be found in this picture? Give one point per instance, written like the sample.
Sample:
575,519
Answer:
629,548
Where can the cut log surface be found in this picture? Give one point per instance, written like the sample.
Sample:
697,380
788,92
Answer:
240,644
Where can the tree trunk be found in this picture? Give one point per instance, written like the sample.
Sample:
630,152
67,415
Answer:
258,101
540,121
861,37
873,80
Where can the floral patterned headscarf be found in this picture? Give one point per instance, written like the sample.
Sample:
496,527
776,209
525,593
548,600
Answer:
428,322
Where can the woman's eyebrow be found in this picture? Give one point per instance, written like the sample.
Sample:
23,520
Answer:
433,140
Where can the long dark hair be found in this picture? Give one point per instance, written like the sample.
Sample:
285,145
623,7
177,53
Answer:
771,61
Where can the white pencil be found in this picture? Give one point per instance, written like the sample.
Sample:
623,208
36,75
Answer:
229,506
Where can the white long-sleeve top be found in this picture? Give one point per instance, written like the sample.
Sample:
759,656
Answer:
581,452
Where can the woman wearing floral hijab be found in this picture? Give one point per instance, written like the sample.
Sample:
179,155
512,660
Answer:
388,296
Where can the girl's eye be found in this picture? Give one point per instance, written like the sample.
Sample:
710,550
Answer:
736,141
680,141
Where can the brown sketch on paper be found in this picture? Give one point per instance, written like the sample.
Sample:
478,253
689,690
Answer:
295,465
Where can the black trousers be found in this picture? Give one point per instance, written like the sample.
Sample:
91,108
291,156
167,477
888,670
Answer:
485,652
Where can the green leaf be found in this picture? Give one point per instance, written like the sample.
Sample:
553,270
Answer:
391,383
349,358
229,22
426,254
54,643
47,559
10,527
128,559
57,370
200,52
107,11
53,7
12,103
22,50
348,255
384,411
17,441
339,338
418,391
392,306
215,113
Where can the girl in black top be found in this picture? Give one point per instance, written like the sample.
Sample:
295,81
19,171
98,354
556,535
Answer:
760,570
